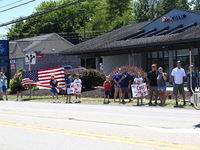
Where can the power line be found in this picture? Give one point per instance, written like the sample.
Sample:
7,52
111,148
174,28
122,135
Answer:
17,6
11,3
32,16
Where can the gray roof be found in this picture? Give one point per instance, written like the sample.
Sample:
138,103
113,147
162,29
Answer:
113,41
27,43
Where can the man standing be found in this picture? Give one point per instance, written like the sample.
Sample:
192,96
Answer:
178,75
152,83
125,83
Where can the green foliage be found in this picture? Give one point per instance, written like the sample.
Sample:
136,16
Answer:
90,77
13,81
69,23
35,88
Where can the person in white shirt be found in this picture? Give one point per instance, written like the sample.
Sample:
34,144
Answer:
78,84
178,75
138,80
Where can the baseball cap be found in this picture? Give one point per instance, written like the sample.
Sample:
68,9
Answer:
160,68
179,62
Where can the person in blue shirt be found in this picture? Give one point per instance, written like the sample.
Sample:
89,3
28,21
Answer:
125,83
68,82
4,88
117,86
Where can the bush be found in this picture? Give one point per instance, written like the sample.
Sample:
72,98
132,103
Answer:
90,77
13,81
132,70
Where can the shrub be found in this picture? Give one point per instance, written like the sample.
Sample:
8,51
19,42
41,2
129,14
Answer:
90,77
132,70
13,81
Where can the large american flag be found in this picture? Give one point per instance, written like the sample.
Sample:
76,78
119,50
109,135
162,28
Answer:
41,78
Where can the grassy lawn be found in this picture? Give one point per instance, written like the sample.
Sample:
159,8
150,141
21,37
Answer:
169,102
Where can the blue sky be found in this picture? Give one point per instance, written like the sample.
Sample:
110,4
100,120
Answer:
24,10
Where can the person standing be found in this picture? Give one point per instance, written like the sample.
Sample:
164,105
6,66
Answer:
138,80
4,88
152,83
1,90
194,81
161,83
78,84
117,86
19,86
68,82
125,83
178,76
106,86
54,84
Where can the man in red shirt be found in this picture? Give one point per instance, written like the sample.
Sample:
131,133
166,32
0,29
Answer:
106,86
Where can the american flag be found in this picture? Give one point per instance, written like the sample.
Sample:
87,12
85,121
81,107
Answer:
41,78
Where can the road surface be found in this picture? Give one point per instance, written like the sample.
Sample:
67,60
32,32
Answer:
49,126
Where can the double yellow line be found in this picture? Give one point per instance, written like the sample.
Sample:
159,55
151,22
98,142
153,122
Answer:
104,137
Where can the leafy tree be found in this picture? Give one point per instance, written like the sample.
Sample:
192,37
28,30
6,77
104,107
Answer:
195,4
142,11
69,23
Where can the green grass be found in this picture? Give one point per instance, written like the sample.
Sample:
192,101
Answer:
169,103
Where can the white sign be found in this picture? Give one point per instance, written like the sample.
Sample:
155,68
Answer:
75,88
139,90
30,58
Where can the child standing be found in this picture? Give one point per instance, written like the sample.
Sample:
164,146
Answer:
107,85
138,80
78,85
68,82
54,84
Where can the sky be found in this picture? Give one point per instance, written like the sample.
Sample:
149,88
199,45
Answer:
9,15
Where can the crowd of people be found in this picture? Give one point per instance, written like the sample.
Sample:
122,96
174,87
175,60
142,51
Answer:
156,84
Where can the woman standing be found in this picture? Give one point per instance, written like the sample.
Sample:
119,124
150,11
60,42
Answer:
161,83
194,81
117,86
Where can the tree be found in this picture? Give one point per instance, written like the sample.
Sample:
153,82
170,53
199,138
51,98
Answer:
142,11
70,24
195,4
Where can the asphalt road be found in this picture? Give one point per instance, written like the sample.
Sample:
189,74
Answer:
48,126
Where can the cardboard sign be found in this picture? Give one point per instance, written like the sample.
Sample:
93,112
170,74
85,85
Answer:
75,88
139,90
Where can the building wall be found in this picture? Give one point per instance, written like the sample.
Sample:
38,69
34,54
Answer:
112,62
49,61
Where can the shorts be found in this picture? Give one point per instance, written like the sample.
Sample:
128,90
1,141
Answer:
106,92
153,89
68,91
54,90
1,90
117,85
162,88
4,88
125,90
180,88
19,88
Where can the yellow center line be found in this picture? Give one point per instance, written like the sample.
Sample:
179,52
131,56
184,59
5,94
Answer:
104,137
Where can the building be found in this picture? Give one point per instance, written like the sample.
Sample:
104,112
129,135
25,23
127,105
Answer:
47,49
162,41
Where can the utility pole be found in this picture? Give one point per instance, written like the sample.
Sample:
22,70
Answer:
84,25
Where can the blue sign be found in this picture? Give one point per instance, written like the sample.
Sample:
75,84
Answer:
4,47
172,18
